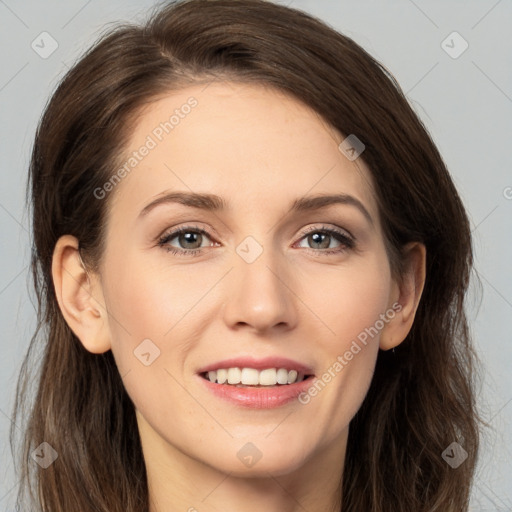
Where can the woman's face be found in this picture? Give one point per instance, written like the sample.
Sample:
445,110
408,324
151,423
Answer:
254,284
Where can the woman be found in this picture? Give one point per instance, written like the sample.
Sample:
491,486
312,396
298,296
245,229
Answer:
309,350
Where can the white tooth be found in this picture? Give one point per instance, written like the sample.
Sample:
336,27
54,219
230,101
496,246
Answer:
292,376
268,377
222,376
212,376
234,375
250,376
282,376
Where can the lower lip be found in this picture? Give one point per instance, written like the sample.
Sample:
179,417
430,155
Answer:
258,398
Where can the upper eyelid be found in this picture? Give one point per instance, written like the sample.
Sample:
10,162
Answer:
312,229
188,227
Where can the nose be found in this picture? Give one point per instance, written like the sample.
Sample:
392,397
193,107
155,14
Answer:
260,295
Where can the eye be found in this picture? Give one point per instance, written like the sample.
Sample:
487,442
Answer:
320,239
189,239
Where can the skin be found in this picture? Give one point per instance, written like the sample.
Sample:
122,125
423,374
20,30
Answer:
259,150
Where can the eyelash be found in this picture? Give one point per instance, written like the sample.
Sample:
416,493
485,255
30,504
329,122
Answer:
347,242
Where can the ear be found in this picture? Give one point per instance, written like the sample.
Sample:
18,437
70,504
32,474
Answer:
405,297
80,296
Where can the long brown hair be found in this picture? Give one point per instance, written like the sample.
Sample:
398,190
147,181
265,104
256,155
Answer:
422,397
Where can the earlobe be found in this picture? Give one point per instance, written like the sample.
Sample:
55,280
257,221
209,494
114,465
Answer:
79,296
408,294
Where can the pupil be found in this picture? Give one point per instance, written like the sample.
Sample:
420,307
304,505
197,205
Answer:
189,238
315,236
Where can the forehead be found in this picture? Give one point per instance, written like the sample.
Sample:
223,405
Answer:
252,145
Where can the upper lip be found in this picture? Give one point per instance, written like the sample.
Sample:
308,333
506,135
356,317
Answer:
258,364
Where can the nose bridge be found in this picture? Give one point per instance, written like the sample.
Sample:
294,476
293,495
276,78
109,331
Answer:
259,295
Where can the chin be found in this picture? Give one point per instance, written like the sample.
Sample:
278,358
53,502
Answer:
260,457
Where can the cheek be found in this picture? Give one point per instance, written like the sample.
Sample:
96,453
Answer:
156,315
148,319
348,300
352,310
140,310
148,301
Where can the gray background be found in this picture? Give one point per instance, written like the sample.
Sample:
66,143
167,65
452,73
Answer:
465,102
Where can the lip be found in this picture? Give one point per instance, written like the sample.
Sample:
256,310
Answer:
258,398
258,364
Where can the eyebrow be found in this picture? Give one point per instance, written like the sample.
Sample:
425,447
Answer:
212,202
